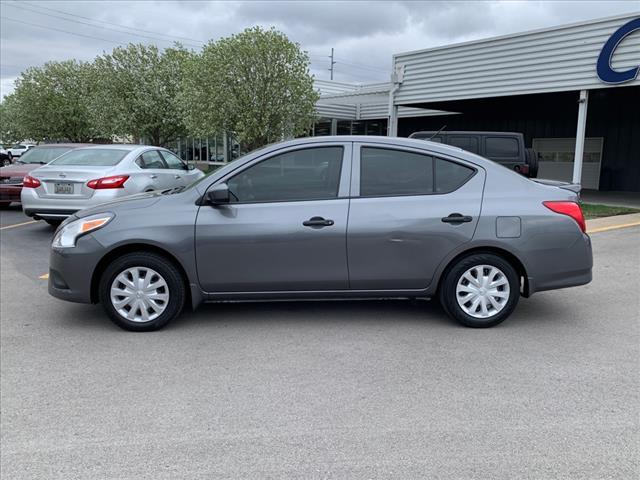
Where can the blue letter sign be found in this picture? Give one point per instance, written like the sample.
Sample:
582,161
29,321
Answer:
605,72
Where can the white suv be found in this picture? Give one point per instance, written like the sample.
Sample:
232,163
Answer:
20,148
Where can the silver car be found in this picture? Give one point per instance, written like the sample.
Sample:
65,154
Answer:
329,217
89,176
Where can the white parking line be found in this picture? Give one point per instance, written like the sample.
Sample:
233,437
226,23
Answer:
18,225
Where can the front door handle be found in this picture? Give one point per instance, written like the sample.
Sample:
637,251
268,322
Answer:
177,176
317,222
153,175
457,218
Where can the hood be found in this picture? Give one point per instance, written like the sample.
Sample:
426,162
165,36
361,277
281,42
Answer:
141,200
18,170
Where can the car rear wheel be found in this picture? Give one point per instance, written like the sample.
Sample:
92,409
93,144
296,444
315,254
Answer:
142,291
480,290
4,205
6,162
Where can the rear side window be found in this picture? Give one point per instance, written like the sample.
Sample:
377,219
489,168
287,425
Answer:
470,144
98,157
394,172
501,147
450,175
386,172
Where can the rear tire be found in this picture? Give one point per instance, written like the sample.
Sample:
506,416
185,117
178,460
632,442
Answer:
4,205
142,291
480,290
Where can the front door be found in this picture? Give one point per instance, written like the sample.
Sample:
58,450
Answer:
403,219
285,227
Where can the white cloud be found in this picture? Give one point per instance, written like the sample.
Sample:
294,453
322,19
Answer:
364,34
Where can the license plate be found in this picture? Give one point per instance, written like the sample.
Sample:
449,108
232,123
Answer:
65,188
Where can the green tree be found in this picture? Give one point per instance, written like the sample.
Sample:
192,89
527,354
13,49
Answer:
11,129
51,102
255,84
136,92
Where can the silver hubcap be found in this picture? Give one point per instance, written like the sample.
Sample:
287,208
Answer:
482,291
139,294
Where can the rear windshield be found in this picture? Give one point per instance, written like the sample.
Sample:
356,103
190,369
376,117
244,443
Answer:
91,157
42,155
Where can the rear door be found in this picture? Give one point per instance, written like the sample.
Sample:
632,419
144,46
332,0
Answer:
409,209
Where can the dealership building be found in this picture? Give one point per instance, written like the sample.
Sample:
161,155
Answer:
572,90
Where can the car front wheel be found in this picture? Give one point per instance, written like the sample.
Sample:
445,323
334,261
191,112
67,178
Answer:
142,291
480,290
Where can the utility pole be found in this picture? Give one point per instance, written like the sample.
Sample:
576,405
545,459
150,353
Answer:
332,63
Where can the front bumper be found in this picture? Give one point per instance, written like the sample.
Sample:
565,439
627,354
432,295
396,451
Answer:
71,270
59,208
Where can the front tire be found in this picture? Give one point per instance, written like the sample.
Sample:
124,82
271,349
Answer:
480,290
142,291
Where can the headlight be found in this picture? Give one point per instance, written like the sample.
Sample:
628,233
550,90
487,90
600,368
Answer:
68,234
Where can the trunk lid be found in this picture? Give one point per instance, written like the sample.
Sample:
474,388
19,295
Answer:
68,181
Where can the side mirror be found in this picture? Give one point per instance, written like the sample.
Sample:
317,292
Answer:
189,166
218,194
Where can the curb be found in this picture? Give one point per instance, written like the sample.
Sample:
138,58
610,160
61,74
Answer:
606,224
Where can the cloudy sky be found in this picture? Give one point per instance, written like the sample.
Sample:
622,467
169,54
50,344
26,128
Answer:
364,34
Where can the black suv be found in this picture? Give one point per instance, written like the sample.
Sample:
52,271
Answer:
506,148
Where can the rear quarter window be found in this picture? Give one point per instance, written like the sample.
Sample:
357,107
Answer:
451,175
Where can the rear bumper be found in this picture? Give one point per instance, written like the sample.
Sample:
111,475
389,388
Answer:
10,193
56,207
570,269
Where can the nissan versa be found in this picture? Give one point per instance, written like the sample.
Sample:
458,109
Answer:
330,217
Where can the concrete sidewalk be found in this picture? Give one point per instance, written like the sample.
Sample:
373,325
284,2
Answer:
611,223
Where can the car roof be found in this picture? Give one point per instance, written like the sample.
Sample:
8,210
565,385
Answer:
463,132
62,145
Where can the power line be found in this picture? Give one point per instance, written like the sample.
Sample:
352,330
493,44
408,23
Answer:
114,24
59,30
91,25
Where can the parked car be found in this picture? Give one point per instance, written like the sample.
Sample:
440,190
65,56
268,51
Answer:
328,217
89,176
20,148
11,176
5,158
505,148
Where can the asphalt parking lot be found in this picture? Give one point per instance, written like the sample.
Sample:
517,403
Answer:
321,389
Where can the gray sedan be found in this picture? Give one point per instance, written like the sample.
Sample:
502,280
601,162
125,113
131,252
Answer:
89,176
329,217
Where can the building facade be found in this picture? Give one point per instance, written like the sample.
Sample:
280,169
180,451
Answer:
573,91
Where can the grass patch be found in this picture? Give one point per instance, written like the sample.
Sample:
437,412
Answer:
595,210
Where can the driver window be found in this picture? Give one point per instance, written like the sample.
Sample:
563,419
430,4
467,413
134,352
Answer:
173,161
308,174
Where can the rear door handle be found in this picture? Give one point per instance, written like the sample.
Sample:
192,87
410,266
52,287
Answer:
177,176
317,222
153,176
457,218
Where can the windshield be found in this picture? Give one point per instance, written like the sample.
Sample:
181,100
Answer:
42,155
92,157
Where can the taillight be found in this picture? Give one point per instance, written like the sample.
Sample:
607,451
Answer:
117,181
572,209
30,182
